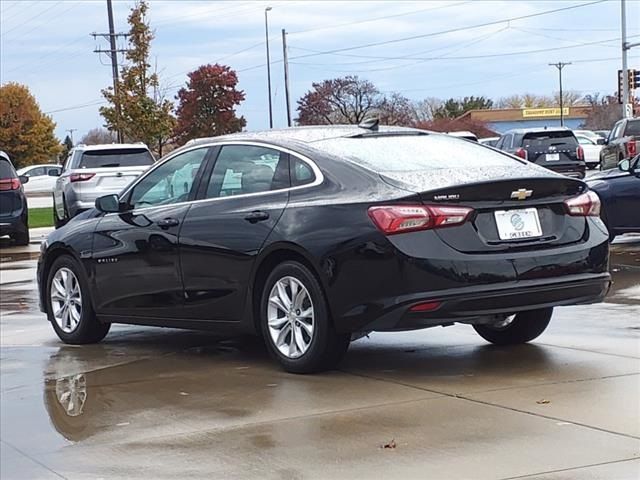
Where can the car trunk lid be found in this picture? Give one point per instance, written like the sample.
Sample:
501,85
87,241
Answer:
494,194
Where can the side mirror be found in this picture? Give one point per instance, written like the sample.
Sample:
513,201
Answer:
601,141
23,179
605,141
624,165
53,172
108,204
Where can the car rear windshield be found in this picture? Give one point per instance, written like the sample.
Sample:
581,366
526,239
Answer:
633,129
130,157
411,153
558,138
6,169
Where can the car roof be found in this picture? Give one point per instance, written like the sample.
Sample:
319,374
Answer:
110,146
5,156
538,130
306,135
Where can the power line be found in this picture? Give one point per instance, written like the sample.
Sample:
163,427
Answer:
76,107
452,30
21,25
386,17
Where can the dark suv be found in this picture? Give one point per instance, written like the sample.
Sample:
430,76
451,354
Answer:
554,148
13,203
621,143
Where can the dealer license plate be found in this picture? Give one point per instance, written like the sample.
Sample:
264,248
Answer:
517,224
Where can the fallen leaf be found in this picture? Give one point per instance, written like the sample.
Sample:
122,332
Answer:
391,444
543,402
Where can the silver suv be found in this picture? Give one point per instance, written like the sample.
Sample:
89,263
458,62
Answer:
92,171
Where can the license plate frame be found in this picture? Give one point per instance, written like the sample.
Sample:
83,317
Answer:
552,157
518,224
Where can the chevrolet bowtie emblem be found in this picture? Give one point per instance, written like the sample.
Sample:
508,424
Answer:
521,194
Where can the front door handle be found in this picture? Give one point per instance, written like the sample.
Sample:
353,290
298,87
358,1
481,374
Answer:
166,223
257,216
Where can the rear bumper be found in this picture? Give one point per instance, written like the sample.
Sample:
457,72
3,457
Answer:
13,224
466,304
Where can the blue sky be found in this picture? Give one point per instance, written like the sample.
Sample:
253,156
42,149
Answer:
47,46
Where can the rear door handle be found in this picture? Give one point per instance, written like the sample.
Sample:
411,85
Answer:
257,216
166,223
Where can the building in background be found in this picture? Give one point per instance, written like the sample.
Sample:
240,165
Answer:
502,119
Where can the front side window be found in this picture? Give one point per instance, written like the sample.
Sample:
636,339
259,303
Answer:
245,169
171,182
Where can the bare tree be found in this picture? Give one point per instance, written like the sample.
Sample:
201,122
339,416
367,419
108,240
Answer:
97,136
605,111
340,100
570,98
424,110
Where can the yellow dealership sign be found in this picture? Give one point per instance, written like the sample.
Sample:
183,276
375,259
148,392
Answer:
544,112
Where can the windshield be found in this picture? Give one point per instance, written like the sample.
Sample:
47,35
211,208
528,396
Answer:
129,157
633,129
549,138
414,153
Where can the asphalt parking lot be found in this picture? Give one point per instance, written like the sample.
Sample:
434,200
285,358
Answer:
430,404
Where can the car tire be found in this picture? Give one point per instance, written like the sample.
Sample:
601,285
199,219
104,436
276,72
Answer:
79,325
304,320
521,328
21,238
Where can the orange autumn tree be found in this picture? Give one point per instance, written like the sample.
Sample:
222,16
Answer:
26,134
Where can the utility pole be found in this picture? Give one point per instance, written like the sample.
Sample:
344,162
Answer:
560,66
71,130
113,52
625,68
286,76
266,33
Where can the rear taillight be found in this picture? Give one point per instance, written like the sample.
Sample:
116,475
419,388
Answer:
631,149
585,205
580,153
81,177
425,307
407,218
522,153
9,184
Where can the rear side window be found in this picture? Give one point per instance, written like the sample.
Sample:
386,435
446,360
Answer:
546,139
301,173
126,157
404,153
632,130
6,169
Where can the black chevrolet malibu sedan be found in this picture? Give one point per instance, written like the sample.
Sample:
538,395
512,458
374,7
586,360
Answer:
312,236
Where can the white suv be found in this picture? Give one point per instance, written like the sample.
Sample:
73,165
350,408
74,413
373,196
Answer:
92,171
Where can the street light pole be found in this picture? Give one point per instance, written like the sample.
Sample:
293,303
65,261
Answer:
560,66
266,33
625,68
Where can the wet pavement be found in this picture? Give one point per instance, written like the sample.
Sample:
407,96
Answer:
430,404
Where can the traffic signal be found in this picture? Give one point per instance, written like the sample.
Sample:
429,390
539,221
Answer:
633,77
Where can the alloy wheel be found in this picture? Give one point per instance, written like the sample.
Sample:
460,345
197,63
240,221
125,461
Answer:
290,317
66,300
